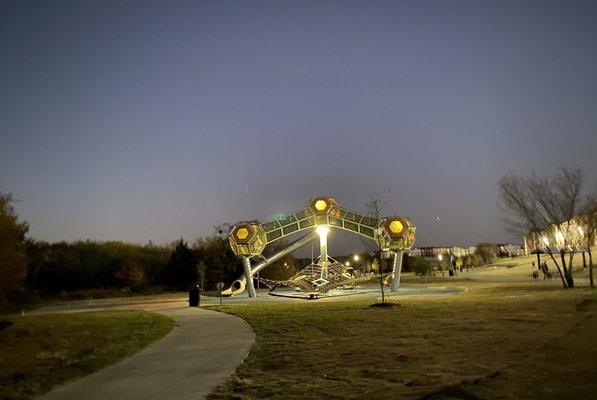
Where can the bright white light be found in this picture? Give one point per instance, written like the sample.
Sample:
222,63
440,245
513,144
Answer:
545,240
440,257
355,257
347,264
560,238
322,230
580,231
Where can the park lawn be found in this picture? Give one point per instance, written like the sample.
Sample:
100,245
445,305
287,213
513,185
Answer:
490,341
38,352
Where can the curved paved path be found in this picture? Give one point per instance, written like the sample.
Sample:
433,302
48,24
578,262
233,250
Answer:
188,363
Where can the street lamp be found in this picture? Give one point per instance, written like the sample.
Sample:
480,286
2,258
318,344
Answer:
355,257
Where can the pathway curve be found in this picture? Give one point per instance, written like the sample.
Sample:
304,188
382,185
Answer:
188,363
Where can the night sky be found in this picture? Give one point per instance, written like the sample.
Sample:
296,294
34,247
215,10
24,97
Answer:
139,120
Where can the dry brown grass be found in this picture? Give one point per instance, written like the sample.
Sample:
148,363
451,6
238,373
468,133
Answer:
490,341
38,352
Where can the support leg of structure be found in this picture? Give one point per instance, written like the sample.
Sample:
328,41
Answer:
397,271
248,276
323,249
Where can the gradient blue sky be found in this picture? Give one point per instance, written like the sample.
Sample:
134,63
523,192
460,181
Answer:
138,120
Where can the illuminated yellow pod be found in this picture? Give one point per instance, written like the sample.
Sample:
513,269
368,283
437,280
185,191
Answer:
396,233
321,204
247,239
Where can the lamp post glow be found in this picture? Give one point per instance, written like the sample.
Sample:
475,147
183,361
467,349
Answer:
560,239
355,258
323,231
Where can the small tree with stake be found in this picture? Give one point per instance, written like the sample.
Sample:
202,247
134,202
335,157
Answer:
375,207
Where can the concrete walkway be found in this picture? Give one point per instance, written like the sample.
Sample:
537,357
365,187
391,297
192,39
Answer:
188,363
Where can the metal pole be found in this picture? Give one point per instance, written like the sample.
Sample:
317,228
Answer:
323,248
397,270
248,276
221,283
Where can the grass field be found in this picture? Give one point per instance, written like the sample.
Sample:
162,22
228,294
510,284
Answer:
38,352
491,341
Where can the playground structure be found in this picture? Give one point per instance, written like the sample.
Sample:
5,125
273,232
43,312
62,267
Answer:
248,239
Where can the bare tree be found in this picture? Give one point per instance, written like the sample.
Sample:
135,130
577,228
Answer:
540,204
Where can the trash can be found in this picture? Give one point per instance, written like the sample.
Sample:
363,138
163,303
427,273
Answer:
194,297
451,272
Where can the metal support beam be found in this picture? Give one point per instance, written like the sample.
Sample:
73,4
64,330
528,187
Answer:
323,250
397,271
294,246
248,276
242,281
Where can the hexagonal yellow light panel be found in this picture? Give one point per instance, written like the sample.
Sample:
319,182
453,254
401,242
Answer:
247,238
242,233
396,233
320,205
396,226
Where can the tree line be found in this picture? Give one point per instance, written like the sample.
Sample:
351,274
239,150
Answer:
30,266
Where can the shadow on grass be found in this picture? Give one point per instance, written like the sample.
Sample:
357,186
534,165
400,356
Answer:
385,305
4,324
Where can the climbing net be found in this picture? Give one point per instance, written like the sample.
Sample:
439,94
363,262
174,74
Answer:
314,278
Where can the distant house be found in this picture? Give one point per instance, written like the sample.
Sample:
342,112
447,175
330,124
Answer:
569,234
511,250
440,253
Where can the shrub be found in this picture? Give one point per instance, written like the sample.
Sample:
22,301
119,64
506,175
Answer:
422,267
